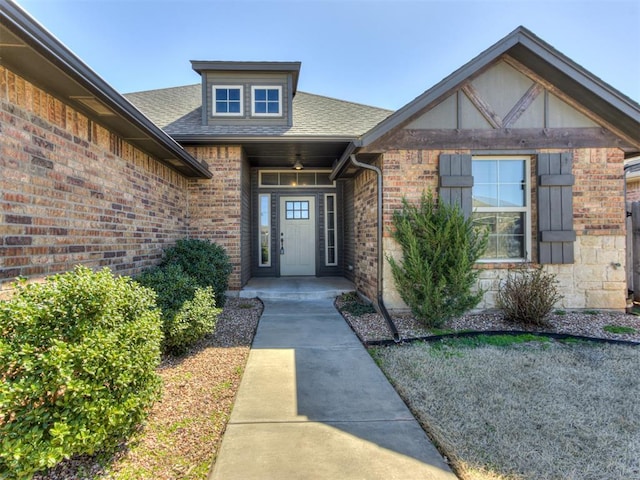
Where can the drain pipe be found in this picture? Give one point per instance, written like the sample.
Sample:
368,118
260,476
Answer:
381,308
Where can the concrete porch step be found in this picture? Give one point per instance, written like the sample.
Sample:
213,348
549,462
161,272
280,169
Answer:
296,288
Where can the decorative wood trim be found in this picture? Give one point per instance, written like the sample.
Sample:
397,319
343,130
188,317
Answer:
557,180
483,107
497,139
458,109
550,88
521,105
456,181
558,236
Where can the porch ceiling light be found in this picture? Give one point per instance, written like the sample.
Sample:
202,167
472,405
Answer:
298,165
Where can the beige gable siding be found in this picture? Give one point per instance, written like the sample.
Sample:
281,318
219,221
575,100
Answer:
501,87
500,92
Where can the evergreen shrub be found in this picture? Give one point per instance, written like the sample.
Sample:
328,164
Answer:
439,246
78,358
208,263
189,310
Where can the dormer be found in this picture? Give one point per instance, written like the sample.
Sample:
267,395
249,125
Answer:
247,93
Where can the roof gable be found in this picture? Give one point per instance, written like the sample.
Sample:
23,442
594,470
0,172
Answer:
501,97
618,112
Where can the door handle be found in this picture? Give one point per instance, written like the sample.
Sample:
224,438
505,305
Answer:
281,243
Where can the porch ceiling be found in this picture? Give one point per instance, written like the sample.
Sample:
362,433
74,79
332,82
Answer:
284,154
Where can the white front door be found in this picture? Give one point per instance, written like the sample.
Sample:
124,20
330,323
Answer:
297,236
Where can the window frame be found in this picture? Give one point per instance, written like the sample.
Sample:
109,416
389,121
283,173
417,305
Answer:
330,230
267,88
214,112
267,197
316,185
526,209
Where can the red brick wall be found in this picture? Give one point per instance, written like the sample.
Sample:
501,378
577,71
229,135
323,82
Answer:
215,206
598,193
365,226
73,192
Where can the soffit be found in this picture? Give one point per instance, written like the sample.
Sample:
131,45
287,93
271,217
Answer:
33,54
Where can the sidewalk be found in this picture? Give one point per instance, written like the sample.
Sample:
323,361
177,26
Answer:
313,405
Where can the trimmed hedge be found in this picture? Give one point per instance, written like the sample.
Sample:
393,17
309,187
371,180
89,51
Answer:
189,310
208,263
78,358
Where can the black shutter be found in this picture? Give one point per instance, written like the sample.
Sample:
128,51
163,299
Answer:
456,181
555,208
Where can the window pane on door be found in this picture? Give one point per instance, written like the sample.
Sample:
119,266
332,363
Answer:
295,210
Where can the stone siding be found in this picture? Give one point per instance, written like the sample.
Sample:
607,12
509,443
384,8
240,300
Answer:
73,192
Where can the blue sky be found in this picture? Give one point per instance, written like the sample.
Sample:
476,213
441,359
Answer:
376,52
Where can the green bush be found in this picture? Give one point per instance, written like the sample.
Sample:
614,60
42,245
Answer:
439,248
188,310
528,295
208,263
78,356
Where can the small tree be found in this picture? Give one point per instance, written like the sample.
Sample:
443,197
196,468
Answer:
440,248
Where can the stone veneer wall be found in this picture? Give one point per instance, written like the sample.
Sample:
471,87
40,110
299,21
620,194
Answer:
215,205
595,280
72,192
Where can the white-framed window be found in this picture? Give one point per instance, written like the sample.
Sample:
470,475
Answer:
295,179
330,230
266,101
228,100
264,230
502,204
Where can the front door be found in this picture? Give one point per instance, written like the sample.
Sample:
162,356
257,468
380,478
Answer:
297,236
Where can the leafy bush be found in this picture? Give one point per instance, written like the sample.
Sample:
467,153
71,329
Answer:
440,248
528,295
78,355
208,263
188,310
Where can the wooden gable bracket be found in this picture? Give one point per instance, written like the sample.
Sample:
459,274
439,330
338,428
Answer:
512,116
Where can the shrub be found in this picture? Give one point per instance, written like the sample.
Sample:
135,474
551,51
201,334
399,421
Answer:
528,295
78,355
188,310
208,263
439,248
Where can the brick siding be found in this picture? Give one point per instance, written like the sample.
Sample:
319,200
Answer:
73,192
215,205
598,202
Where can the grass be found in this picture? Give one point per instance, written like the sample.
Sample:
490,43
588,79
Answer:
515,411
618,329
475,341
355,306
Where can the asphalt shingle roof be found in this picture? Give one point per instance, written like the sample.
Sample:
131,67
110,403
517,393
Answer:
178,112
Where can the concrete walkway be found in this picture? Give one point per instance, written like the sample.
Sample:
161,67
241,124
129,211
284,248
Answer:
313,405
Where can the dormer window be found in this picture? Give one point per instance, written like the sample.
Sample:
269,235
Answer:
266,101
227,100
